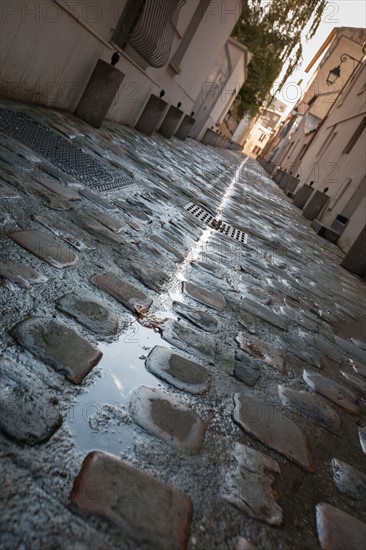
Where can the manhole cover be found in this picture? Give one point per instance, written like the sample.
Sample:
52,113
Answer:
61,152
219,225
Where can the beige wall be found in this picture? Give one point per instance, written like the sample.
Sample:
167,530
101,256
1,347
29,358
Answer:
293,160
343,173
254,140
354,226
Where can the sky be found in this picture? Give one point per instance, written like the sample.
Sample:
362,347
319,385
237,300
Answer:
338,13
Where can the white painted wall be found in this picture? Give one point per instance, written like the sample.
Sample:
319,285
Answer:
47,57
235,81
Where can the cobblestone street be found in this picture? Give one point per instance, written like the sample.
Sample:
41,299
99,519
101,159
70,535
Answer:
184,359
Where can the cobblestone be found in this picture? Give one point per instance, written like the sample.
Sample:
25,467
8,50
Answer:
349,480
90,312
337,393
283,273
21,274
311,406
169,419
273,429
206,297
131,297
178,371
118,492
46,248
59,346
338,530
28,411
248,485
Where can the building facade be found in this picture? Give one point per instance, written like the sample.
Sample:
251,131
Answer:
320,95
323,144
170,45
262,128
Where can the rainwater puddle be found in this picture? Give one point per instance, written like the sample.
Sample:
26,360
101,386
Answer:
98,418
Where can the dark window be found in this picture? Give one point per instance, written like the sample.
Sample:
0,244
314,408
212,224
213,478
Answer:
352,142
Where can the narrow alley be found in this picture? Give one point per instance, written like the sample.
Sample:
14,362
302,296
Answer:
183,357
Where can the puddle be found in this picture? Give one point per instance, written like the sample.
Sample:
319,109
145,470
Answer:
95,418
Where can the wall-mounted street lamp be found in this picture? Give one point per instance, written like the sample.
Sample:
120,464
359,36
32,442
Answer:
335,73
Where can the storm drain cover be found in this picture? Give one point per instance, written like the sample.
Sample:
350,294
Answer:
219,225
61,152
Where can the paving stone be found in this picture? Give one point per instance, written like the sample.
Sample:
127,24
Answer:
212,269
150,512
157,256
286,290
360,369
58,346
351,349
166,246
64,192
261,350
14,160
111,223
57,173
20,274
168,419
132,211
338,394
362,437
200,318
187,339
135,226
96,199
301,319
178,371
65,233
273,429
28,412
174,239
338,530
313,407
150,275
248,485
349,480
122,291
206,297
6,192
140,205
357,383
242,544
48,197
246,369
264,313
90,312
97,230
327,347
45,247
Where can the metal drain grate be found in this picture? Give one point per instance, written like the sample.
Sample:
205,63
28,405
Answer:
61,152
219,225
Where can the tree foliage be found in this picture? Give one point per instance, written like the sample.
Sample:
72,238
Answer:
271,31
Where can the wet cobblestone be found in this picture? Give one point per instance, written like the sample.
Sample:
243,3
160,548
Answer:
251,315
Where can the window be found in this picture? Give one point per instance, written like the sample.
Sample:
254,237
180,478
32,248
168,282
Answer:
262,137
149,27
256,150
352,142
